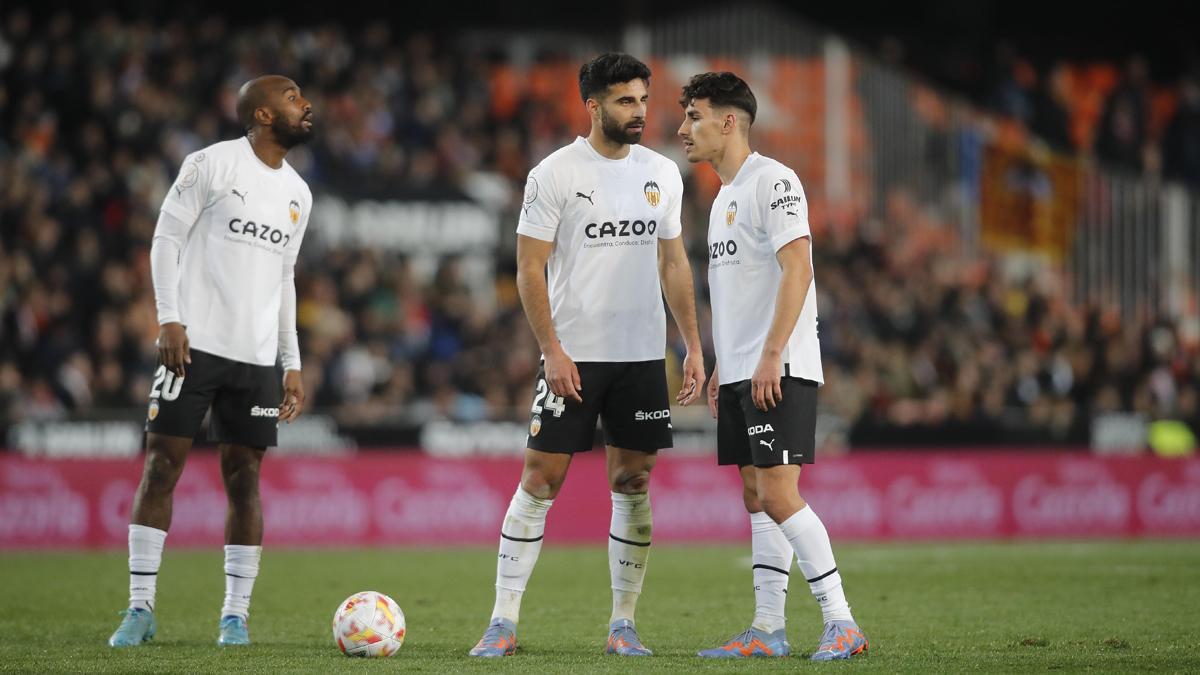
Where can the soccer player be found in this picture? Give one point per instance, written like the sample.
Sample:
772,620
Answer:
604,212
222,262
763,390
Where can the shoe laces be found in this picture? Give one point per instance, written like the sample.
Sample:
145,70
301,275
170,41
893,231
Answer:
494,633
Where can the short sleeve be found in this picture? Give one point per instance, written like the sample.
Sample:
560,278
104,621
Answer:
541,205
189,194
783,210
672,224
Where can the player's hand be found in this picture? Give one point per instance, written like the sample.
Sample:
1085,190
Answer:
293,396
765,389
693,378
562,376
714,389
173,347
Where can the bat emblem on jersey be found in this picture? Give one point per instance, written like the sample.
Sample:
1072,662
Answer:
588,196
731,213
653,194
770,446
241,195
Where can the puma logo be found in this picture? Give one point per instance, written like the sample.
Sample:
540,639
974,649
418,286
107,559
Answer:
587,196
770,446
241,195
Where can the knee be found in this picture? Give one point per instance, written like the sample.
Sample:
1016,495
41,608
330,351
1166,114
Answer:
630,481
241,479
162,469
751,500
540,483
775,505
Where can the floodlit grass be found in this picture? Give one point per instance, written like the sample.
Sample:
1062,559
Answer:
997,607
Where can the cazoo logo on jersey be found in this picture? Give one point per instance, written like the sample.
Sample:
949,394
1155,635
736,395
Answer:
621,228
253,230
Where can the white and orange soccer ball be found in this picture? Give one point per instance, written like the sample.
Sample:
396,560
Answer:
368,624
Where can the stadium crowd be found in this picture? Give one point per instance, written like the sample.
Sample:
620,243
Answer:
96,118
1122,113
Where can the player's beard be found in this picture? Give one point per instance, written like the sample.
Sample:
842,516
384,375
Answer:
617,132
290,134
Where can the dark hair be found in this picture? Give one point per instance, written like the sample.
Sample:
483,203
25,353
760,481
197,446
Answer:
605,70
721,89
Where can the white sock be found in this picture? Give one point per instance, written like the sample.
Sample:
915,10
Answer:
241,569
145,557
520,544
771,555
810,541
628,550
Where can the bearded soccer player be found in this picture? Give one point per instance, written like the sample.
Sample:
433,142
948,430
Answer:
604,213
223,261
763,390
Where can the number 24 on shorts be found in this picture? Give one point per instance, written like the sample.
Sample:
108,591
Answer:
553,403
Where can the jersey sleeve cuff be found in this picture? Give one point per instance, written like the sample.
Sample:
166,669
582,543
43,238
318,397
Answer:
536,231
672,231
178,211
787,236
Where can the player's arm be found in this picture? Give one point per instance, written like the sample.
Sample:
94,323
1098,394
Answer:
181,209
169,235
675,273
714,391
795,259
289,340
293,384
562,376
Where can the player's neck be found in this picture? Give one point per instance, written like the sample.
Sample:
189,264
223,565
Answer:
606,147
731,161
270,152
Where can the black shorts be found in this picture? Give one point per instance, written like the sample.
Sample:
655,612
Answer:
787,434
630,398
244,399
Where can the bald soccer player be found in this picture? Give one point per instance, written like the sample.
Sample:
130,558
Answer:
223,266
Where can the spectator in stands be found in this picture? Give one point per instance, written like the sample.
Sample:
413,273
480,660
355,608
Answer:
1123,126
1181,145
1051,121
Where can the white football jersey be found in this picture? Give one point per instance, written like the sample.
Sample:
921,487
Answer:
605,217
247,220
759,212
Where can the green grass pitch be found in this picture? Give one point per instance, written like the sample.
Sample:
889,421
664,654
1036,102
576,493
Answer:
1118,606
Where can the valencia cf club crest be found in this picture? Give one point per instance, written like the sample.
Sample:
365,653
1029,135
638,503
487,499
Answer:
294,211
653,195
535,425
731,213
153,411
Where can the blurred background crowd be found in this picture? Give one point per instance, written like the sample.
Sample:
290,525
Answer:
926,340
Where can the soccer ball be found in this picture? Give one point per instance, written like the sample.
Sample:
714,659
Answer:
368,624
